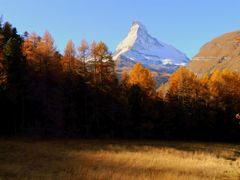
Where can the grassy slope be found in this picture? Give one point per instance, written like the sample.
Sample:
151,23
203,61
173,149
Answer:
92,159
227,46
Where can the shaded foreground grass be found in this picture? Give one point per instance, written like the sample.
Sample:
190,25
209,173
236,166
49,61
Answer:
102,159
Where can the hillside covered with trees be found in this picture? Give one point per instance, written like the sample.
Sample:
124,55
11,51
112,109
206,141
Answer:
77,93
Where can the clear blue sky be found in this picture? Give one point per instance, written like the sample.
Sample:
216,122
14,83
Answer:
186,24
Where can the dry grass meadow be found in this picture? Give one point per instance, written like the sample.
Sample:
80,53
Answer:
106,159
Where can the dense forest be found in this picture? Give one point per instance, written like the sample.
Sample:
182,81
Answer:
77,93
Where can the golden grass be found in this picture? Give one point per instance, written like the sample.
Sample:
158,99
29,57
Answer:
92,159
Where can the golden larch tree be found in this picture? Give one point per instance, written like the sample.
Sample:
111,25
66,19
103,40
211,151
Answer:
142,77
83,50
183,84
69,58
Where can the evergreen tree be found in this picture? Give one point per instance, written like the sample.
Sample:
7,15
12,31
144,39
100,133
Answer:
11,73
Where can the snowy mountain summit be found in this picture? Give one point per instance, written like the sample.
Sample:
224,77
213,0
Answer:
141,47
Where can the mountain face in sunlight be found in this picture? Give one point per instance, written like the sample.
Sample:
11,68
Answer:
221,53
141,47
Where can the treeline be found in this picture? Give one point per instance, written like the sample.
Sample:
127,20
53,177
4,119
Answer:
45,93
205,107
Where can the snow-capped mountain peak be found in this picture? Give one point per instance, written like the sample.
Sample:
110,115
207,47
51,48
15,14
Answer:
136,29
140,46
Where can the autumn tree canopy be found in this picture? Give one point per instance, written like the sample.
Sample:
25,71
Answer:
142,77
69,57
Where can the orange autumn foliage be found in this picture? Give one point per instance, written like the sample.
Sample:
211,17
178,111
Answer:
142,77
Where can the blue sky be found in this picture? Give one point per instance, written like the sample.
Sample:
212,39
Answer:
185,24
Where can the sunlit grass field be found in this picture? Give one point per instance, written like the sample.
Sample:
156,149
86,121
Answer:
117,159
